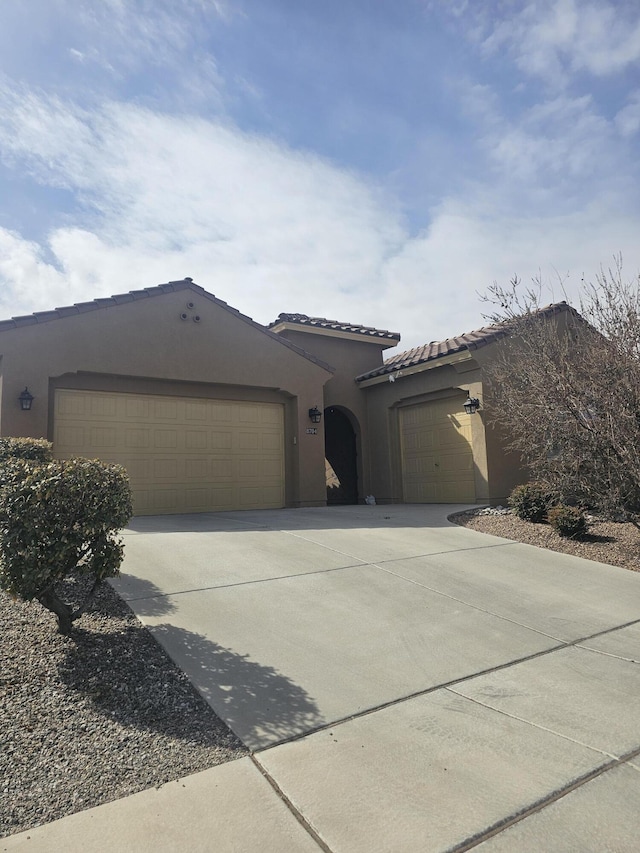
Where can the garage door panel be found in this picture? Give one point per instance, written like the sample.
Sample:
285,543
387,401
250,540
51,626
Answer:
221,412
166,469
451,437
197,469
437,459
196,411
164,500
221,440
165,438
68,405
143,501
271,468
248,469
102,437
105,407
165,410
134,407
249,415
248,441
137,438
458,463
221,469
270,417
250,496
139,470
271,442
221,497
198,498
196,439
70,437
177,456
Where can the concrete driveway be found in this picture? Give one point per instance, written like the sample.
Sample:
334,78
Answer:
404,684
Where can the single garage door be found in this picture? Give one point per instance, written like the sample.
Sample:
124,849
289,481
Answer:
437,459
182,454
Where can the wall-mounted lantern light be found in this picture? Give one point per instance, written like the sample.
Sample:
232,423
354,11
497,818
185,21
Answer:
25,399
315,415
471,404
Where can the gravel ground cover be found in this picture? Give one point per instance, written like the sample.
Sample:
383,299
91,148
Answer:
96,717
616,543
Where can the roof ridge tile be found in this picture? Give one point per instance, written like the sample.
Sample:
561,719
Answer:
335,325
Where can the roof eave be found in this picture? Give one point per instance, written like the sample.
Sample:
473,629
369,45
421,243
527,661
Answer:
404,372
385,340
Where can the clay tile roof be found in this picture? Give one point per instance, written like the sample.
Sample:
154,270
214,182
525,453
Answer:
335,325
466,341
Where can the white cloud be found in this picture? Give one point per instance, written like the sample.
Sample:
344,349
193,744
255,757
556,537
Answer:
435,282
159,50
27,280
627,119
555,39
271,229
561,140
249,218
559,151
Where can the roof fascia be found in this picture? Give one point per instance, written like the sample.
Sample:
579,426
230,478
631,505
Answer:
404,372
362,338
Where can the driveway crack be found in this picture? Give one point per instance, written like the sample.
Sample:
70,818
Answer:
531,723
297,814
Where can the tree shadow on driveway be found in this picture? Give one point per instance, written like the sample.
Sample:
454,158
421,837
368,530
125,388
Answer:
142,595
131,683
261,705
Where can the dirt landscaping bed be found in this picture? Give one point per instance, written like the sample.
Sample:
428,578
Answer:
93,718
607,542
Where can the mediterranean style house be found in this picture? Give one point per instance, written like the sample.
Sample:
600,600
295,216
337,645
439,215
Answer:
210,411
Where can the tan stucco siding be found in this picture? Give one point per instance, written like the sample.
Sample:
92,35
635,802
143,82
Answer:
146,341
349,358
385,402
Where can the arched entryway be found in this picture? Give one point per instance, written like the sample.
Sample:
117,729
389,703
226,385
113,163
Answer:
340,457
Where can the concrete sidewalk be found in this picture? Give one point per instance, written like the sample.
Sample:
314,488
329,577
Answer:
405,685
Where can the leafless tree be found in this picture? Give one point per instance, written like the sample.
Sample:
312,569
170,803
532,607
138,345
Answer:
565,386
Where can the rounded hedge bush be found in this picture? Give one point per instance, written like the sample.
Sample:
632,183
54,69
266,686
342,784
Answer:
531,501
35,449
569,521
56,518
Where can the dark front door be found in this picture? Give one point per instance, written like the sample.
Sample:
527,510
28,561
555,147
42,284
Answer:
340,458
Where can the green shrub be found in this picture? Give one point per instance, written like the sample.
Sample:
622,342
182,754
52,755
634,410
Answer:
531,501
57,518
35,449
569,521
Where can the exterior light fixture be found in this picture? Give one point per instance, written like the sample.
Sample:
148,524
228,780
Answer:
25,399
315,415
471,405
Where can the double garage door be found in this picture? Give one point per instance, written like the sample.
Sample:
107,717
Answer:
182,454
437,457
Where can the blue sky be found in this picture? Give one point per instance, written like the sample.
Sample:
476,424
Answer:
375,161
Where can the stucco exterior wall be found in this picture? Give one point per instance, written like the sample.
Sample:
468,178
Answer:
144,346
506,469
349,358
384,400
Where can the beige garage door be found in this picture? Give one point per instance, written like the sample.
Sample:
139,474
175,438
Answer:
182,454
437,459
